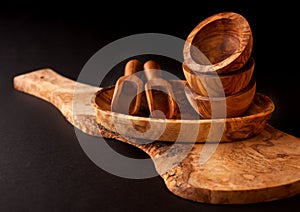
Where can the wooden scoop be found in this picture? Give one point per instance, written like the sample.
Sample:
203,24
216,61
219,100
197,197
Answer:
128,90
160,97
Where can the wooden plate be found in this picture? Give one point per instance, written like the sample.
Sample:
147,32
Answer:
170,130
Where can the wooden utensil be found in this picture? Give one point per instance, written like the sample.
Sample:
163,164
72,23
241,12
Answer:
221,43
236,104
230,83
258,169
128,90
159,93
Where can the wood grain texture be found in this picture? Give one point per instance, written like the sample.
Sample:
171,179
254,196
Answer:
261,168
219,84
221,43
236,104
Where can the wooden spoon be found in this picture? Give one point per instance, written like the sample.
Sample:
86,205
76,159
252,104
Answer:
160,97
128,90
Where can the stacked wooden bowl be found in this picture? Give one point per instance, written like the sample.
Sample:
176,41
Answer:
218,66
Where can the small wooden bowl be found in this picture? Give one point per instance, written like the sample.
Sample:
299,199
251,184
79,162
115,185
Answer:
217,85
221,43
235,104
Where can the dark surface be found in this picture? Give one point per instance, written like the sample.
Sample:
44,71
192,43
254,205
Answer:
42,166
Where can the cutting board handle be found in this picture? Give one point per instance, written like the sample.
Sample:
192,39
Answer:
45,84
60,91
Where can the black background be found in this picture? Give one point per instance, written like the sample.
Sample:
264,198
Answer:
42,166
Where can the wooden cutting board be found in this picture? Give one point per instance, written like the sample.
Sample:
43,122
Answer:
259,169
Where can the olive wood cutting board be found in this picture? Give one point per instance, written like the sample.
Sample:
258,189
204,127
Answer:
261,168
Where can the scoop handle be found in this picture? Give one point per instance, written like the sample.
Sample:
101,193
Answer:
132,67
152,70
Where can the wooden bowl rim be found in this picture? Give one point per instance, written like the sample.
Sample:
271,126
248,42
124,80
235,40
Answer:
249,88
248,67
246,36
